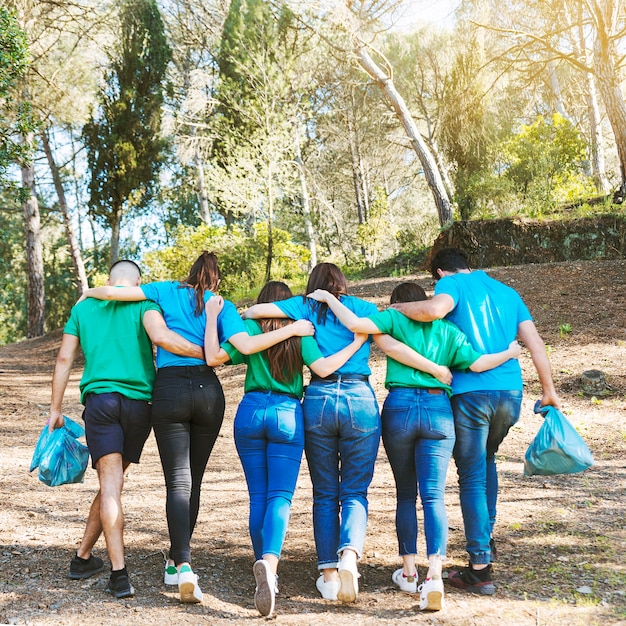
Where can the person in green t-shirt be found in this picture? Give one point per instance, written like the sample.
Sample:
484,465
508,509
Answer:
269,428
116,389
418,427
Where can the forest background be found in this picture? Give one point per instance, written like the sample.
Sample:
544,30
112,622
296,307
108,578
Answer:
281,133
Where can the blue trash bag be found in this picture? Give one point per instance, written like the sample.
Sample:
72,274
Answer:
557,447
60,457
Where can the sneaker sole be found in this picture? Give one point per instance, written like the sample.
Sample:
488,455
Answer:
189,593
264,594
127,593
488,589
83,575
347,586
434,601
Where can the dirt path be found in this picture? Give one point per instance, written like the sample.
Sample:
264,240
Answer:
561,540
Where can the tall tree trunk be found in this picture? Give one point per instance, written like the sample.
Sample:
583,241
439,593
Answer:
115,234
36,325
556,90
357,167
203,196
610,89
598,166
77,258
306,204
270,234
431,171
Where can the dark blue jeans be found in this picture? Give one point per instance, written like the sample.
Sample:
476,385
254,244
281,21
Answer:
418,434
187,413
482,419
269,435
342,435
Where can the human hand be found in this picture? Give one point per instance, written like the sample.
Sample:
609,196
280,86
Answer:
550,398
443,375
214,305
321,295
56,420
515,349
303,328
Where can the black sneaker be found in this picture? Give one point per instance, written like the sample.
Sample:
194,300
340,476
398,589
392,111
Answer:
476,581
84,568
120,587
494,551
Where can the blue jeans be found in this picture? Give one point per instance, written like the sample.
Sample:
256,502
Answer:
269,435
482,419
342,435
418,434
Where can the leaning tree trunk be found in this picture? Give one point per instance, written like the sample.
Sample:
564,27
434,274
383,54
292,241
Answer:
34,253
306,204
203,196
77,258
116,220
432,173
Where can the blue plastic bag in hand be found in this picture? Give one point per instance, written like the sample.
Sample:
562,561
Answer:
557,448
60,457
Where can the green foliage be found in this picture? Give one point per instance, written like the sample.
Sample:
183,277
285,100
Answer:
377,230
124,147
241,257
545,161
15,117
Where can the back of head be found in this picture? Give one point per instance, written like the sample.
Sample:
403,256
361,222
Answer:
204,275
284,358
329,277
124,272
408,292
273,291
448,260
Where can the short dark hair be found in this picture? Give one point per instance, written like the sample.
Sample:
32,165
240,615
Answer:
448,260
407,292
125,261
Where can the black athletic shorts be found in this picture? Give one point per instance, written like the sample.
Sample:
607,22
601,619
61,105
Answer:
115,423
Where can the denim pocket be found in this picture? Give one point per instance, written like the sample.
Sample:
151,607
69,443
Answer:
313,407
289,422
214,401
165,402
363,412
395,419
439,417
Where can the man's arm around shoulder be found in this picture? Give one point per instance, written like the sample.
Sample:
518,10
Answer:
167,339
426,310
60,377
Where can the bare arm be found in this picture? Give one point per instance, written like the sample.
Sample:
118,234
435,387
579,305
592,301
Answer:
214,354
162,336
124,294
407,356
489,361
344,314
436,308
327,365
263,310
528,334
60,377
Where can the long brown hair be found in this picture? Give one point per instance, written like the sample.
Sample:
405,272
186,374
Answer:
204,275
329,277
285,358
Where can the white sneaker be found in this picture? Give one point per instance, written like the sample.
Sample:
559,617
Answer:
188,585
348,583
170,576
431,594
266,585
328,589
406,583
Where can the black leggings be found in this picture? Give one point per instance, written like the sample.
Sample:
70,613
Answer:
187,413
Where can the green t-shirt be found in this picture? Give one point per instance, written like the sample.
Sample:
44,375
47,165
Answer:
440,341
117,349
258,374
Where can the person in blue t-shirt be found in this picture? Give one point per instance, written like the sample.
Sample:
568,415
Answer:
485,404
342,433
188,400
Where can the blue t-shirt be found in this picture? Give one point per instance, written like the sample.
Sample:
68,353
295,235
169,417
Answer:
179,304
332,335
489,313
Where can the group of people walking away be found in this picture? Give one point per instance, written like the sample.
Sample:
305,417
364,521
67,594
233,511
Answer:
429,414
